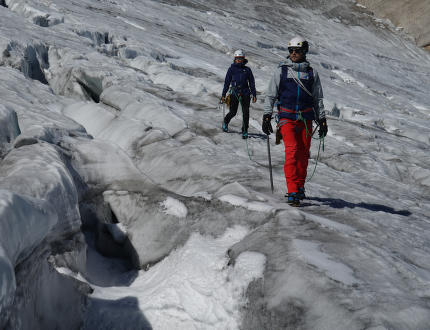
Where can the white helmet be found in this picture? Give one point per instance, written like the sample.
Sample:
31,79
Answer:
239,53
299,42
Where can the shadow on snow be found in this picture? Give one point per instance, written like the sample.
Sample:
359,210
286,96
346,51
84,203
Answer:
340,204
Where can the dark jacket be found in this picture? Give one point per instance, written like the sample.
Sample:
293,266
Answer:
241,79
291,96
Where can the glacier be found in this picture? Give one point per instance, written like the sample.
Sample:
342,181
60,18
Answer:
123,205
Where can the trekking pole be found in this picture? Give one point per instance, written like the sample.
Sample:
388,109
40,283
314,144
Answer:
315,130
221,106
270,163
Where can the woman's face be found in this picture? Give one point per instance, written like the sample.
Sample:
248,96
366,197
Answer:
238,59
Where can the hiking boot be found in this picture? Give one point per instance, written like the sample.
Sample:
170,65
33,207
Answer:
293,199
244,135
301,194
225,127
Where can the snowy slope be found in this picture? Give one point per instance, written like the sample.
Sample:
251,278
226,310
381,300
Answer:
109,118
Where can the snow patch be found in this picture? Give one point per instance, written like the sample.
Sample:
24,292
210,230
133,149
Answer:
193,288
212,38
331,224
348,79
312,254
93,117
243,202
174,207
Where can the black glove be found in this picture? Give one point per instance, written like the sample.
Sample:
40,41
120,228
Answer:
323,128
267,126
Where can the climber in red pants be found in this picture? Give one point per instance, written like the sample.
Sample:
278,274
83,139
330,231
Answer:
296,87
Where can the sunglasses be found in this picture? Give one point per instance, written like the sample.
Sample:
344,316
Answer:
297,50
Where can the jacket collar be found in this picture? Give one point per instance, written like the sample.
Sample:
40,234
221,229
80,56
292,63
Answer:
240,65
299,67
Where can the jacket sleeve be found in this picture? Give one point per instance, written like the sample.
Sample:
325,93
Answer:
252,83
272,91
227,82
317,94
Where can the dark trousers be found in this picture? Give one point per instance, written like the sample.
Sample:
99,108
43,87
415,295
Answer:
234,104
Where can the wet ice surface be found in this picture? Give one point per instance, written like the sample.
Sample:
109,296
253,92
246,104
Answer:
143,79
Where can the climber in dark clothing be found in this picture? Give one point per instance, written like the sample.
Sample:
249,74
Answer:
239,82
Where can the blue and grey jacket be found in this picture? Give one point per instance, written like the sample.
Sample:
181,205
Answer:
293,100
241,79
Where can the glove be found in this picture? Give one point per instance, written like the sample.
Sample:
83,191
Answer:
254,99
322,131
267,126
222,99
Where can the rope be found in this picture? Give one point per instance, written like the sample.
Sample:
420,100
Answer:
247,149
233,91
316,162
243,123
321,139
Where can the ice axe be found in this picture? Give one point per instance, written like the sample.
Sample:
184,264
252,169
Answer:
221,105
270,162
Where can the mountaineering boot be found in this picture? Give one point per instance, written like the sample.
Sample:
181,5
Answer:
225,127
301,194
293,199
244,135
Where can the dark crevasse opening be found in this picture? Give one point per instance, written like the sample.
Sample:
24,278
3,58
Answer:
34,61
94,96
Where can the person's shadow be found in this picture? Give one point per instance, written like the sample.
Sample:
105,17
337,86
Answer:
338,203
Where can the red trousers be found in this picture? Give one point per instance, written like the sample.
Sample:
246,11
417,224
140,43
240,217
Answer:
297,142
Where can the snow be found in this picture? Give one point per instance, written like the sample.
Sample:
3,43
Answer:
174,207
239,201
114,104
335,270
91,116
193,288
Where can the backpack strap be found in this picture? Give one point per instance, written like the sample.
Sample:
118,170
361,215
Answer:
298,82
311,72
284,71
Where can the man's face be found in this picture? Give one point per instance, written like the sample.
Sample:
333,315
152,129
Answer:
296,54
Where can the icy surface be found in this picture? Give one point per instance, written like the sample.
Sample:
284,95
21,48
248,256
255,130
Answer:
117,103
174,207
9,129
192,288
24,224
